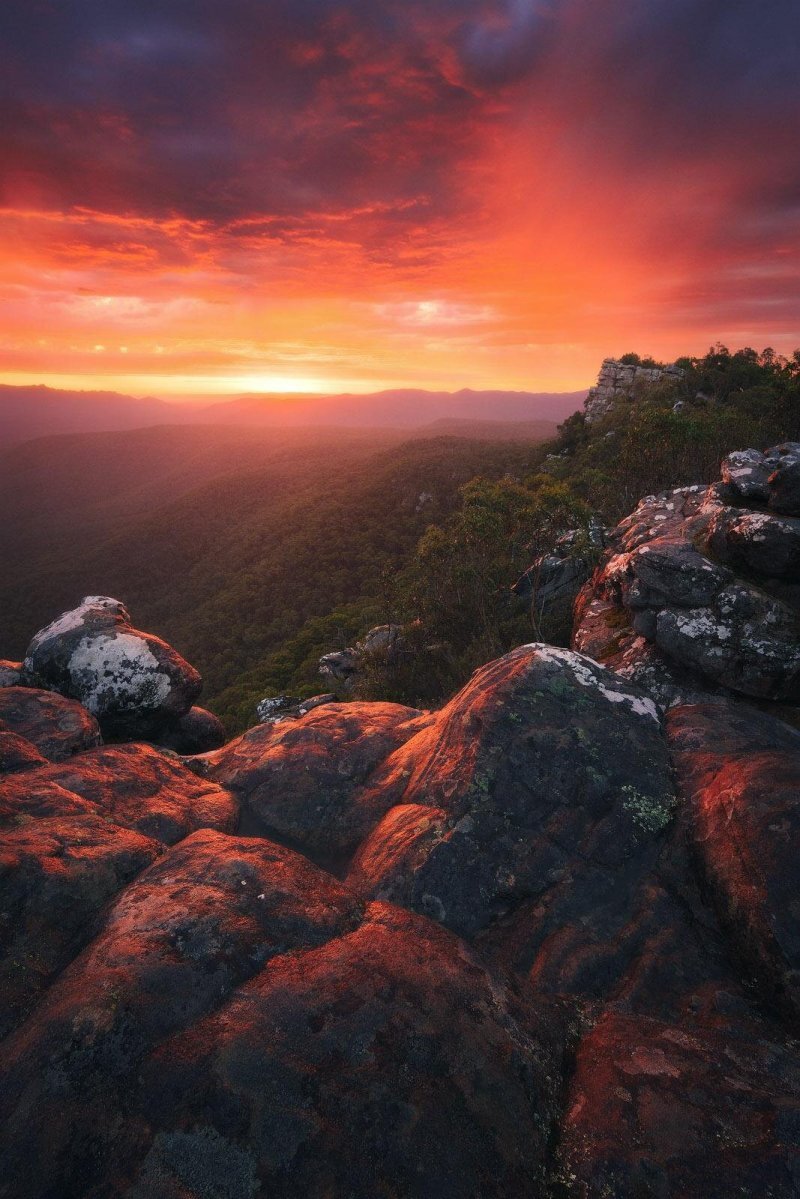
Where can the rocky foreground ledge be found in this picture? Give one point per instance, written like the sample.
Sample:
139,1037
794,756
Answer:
542,942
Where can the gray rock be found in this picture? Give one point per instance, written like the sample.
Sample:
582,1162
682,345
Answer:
317,701
276,708
134,683
757,542
747,472
343,666
622,379
744,640
10,673
784,482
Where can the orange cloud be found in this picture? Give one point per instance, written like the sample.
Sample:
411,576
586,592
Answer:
352,195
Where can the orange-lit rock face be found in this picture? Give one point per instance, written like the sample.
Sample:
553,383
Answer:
57,874
58,727
740,775
362,1034
655,1110
299,781
134,786
504,954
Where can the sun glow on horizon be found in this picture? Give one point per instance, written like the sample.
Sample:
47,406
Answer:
482,199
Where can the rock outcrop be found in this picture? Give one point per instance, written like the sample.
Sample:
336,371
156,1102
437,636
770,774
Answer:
56,726
134,683
622,379
700,588
195,733
344,666
540,942
296,779
275,708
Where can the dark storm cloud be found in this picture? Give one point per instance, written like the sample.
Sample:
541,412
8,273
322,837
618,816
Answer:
216,110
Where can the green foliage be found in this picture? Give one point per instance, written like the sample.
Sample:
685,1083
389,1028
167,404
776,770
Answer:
255,557
252,574
725,401
456,584
636,360
455,591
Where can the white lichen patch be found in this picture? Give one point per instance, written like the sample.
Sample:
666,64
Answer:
587,672
117,670
700,624
72,621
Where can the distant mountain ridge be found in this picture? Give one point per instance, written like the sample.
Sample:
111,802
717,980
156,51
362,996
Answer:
405,408
36,411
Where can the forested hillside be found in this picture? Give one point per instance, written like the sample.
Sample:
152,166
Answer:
256,552
253,552
454,594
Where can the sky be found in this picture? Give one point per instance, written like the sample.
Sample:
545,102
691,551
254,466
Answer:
209,197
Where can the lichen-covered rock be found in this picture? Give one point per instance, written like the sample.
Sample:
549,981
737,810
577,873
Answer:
58,727
757,542
275,708
544,766
133,682
296,779
681,1112
602,631
241,1021
784,482
16,753
771,478
744,640
739,773
747,473
56,877
198,732
623,379
10,673
134,786
669,576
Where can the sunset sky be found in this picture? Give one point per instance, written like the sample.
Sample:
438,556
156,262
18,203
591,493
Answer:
215,196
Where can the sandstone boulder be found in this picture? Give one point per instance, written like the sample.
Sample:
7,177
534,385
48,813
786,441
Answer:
739,773
57,727
198,732
241,1023
432,1079
16,753
657,1110
296,779
544,765
133,682
133,786
56,877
